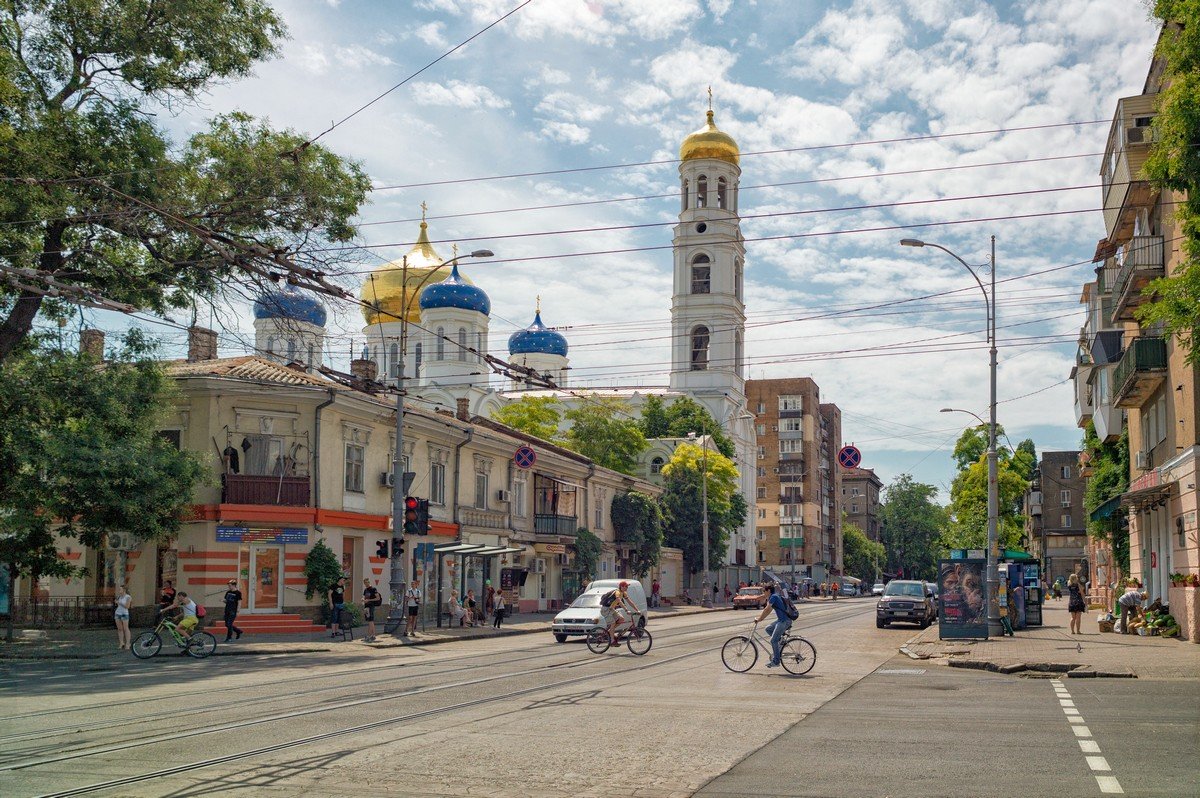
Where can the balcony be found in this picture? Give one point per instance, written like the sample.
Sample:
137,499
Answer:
1142,369
485,519
1129,141
277,491
1083,394
566,525
1105,417
1141,261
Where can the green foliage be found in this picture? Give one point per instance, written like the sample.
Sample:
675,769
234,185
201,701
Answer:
683,416
603,431
912,524
538,416
683,506
638,522
322,570
967,528
1109,464
116,205
1174,164
860,555
587,552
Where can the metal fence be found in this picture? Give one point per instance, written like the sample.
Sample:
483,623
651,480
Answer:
62,613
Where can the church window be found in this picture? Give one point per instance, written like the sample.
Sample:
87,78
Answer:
686,186
721,195
702,192
700,348
393,363
479,346
701,275
462,343
738,268
441,343
656,465
271,345
311,355
291,350
418,351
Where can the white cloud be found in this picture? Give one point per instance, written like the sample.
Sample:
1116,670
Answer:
566,132
457,94
432,33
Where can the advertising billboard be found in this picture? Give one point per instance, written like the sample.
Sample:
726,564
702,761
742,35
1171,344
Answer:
962,599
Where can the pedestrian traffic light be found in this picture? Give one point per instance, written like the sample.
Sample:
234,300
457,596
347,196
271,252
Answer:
381,549
422,516
411,505
397,547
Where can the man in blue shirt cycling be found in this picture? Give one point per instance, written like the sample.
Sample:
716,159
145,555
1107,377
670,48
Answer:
779,627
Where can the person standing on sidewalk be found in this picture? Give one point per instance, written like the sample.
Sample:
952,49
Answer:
1075,605
654,589
371,600
498,607
412,603
233,597
337,603
121,616
489,599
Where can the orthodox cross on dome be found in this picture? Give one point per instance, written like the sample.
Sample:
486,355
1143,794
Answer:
710,98
425,207
538,309
454,251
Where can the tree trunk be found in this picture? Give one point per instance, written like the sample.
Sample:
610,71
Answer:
19,322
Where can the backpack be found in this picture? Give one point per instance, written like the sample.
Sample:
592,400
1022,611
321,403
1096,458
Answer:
200,611
789,609
608,598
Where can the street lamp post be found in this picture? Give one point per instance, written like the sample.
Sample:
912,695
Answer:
989,298
397,581
706,593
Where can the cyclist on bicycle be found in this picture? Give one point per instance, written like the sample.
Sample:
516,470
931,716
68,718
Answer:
620,610
187,609
779,627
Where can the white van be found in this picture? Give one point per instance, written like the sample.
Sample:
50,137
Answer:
584,613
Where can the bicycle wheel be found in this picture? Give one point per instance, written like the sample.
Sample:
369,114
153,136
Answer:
598,641
146,645
201,645
799,656
639,641
739,654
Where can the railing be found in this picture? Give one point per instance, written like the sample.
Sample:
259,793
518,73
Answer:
62,613
555,524
1142,254
252,489
1142,354
488,519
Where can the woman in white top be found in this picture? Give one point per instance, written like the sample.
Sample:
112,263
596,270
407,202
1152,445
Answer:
457,613
122,601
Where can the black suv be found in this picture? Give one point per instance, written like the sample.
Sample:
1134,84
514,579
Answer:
905,600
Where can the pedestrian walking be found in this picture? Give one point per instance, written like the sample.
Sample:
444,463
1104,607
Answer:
167,596
1075,604
728,594
654,589
489,599
714,592
233,597
412,602
121,616
455,609
371,599
337,603
471,608
498,608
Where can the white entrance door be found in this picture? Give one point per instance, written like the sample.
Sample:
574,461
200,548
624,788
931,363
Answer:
266,579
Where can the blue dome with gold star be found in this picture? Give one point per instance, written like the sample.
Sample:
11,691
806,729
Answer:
455,292
538,339
290,304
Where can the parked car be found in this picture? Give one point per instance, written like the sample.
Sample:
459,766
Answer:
583,614
905,600
877,589
750,598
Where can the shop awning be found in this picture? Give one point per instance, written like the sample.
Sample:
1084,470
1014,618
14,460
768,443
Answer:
476,549
1106,510
1144,498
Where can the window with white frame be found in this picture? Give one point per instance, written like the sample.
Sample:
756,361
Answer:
762,452
762,493
1064,498
1065,520
790,403
356,457
791,424
656,465
1065,472
518,496
762,472
437,483
761,429
790,446
481,490
762,408
762,514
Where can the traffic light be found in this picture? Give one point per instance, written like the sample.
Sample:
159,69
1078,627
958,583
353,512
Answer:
422,516
410,515
381,549
397,547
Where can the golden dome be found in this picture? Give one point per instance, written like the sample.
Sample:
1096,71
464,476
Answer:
709,142
385,287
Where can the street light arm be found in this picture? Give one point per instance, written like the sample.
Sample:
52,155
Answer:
966,266
982,423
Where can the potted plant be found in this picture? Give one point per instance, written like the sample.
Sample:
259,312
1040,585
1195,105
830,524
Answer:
1177,580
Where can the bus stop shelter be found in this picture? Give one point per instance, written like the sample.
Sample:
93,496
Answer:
463,550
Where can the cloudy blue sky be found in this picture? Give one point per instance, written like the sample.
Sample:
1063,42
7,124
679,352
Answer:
580,84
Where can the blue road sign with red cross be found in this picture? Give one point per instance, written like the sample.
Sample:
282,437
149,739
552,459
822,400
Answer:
524,457
849,457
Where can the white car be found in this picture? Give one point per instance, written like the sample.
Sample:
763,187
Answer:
583,615
877,589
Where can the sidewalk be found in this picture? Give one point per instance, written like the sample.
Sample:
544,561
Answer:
91,644
1051,649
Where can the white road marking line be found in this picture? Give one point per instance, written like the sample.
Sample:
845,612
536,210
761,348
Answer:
1062,693
1097,763
1066,702
1109,784
1068,711
1074,719
1081,731
1089,746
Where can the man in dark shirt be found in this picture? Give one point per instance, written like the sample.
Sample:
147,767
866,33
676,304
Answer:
233,597
167,597
337,601
371,600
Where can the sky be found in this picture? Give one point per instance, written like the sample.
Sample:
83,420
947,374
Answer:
598,94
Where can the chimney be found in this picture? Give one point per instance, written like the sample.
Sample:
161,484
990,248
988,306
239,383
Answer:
91,343
464,414
202,344
363,369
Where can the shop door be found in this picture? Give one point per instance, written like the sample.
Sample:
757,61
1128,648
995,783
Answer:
266,578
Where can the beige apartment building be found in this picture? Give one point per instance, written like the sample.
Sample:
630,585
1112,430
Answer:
798,500
860,500
1134,376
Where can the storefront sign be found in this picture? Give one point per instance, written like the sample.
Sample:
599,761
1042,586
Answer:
245,534
550,548
962,599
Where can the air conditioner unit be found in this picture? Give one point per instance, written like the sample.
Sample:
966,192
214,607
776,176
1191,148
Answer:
1142,461
503,496
774,428
775,470
538,566
387,479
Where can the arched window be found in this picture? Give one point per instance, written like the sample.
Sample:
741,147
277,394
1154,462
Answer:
686,186
393,363
462,343
737,278
441,343
735,198
271,345
479,346
737,351
700,348
656,465
721,192
418,350
311,355
701,275
702,192
291,350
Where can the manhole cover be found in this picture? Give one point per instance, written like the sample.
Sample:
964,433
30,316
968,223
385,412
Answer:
901,671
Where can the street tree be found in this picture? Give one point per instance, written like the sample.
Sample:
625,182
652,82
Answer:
539,416
587,552
638,523
682,503
101,205
81,457
861,556
1109,478
682,417
911,523
604,430
321,572
967,527
1174,165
